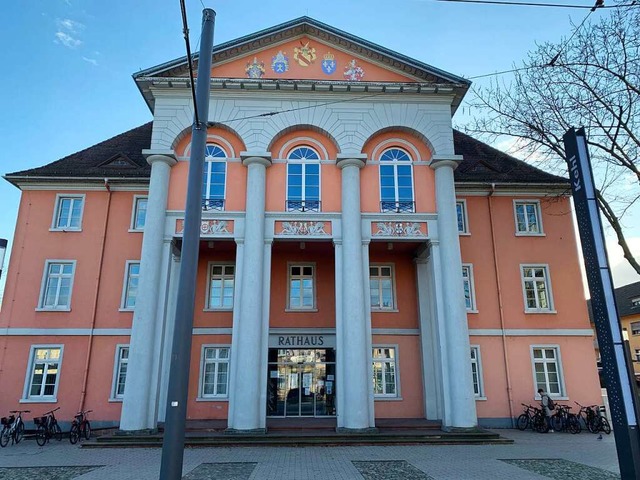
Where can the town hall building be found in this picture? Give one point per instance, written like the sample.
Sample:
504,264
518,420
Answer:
359,258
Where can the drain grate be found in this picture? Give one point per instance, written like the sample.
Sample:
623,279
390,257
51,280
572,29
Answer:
228,471
560,469
38,473
390,470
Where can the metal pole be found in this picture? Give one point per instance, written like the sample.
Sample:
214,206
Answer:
173,441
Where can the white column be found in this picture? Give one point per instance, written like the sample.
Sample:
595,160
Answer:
264,354
248,335
367,322
237,300
337,251
356,354
139,387
458,364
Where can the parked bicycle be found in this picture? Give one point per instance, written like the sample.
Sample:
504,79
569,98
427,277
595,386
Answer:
532,417
593,419
12,428
47,427
80,427
564,420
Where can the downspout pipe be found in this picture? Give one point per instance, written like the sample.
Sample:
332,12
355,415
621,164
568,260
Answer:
94,313
501,308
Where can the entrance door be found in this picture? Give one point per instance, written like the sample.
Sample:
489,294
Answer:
301,383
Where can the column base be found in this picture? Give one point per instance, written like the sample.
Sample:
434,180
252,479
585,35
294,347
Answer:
356,431
253,431
137,433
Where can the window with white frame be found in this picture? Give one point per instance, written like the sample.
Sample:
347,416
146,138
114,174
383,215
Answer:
214,178
385,378
56,285
301,287
537,288
381,287
214,372
461,215
637,359
396,181
68,212
547,370
635,328
139,213
476,371
528,220
120,371
467,282
303,180
44,372
130,293
221,284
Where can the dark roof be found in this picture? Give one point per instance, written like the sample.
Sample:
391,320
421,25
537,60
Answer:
121,156
485,164
624,295
117,157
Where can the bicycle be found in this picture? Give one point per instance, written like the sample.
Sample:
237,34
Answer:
80,427
47,427
534,418
593,420
564,420
13,428
525,419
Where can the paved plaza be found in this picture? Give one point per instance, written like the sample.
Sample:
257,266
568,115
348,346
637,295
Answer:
533,456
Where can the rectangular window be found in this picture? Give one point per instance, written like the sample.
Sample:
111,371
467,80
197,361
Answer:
537,288
68,212
476,371
469,293
381,287
120,371
461,214
214,372
637,359
635,328
139,213
214,185
528,220
44,373
56,285
385,378
547,370
221,283
132,275
301,287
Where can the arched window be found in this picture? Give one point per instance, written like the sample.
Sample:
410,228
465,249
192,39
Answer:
213,178
303,180
396,181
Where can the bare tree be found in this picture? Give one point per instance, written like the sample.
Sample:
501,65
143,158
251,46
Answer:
591,80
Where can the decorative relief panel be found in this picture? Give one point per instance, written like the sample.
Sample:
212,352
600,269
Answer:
303,228
399,229
209,227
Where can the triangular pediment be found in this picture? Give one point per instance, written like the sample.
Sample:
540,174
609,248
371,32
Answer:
305,49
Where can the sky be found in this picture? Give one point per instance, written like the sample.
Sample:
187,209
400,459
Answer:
68,63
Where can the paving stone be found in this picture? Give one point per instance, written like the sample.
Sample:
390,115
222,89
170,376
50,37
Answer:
390,470
38,473
560,469
228,471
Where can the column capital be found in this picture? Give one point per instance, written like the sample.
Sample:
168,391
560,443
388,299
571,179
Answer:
359,160
156,155
262,158
451,161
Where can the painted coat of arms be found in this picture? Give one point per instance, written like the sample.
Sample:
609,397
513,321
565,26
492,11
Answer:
329,63
255,69
353,72
280,62
304,55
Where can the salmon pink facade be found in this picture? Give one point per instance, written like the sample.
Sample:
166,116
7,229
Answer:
359,258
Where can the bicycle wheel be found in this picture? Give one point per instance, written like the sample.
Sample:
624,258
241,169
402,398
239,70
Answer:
4,437
73,434
574,425
593,424
56,431
604,425
557,422
19,433
523,422
41,435
540,424
87,430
